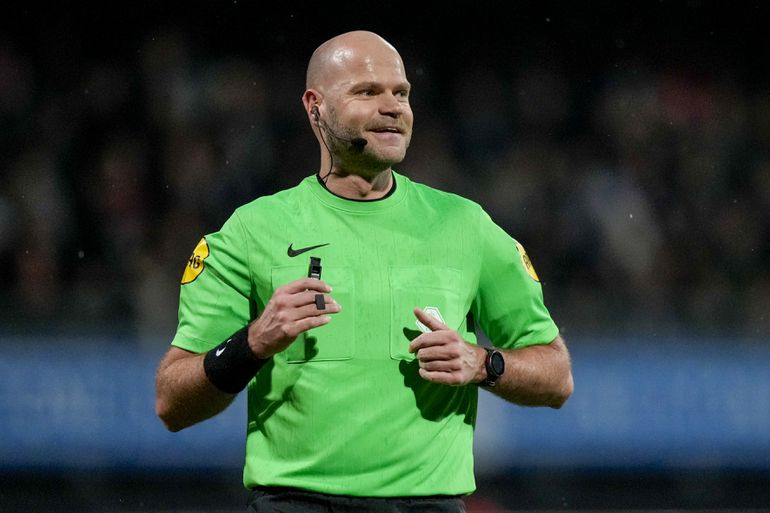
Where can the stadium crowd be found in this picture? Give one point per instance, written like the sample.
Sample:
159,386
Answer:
641,192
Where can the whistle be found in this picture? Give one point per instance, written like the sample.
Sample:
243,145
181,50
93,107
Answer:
314,271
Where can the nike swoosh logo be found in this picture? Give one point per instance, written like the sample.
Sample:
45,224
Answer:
222,350
294,252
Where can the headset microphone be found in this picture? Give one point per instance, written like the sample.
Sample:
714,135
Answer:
357,142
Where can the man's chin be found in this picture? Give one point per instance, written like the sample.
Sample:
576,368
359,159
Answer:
391,156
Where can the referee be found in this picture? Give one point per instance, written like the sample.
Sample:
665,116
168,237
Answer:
347,307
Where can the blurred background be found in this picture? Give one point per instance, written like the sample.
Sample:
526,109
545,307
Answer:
627,147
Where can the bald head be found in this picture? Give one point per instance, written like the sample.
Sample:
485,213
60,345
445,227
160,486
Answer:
357,91
341,52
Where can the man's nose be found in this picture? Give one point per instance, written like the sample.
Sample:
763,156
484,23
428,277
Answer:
390,105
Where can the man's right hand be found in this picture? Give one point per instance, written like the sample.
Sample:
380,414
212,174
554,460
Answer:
291,310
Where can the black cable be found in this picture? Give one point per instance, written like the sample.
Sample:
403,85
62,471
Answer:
331,156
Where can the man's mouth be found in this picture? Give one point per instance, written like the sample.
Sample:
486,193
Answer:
387,129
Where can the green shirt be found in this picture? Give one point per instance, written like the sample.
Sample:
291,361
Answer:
343,409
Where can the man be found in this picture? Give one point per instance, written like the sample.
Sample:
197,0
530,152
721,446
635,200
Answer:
347,305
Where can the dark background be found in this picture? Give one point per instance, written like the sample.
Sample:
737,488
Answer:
625,145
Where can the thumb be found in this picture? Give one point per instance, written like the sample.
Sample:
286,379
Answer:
429,320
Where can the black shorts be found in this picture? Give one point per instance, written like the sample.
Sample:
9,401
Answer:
291,500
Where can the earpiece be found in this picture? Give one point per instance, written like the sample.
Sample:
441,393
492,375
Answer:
314,112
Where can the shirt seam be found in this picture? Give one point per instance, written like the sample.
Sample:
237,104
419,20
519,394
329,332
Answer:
248,252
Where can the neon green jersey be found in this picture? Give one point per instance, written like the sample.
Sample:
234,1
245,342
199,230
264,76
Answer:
343,409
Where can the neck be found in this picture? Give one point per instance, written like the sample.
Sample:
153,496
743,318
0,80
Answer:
359,187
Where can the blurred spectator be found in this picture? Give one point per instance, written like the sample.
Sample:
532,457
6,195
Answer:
641,191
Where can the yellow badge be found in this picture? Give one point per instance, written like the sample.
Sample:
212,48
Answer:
196,264
527,262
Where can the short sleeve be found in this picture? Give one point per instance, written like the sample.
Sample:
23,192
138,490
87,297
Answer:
509,301
214,299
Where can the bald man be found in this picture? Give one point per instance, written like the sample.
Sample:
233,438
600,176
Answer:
348,305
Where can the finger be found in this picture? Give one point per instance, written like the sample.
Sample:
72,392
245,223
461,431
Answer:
308,323
312,310
304,284
438,338
434,353
430,321
306,297
445,378
440,365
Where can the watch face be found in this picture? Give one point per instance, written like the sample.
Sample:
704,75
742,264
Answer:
497,362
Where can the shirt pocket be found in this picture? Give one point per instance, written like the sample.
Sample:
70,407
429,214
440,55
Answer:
433,289
334,341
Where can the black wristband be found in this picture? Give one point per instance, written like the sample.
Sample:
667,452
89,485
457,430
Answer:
231,365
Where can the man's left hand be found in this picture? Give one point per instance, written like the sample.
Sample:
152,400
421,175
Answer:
443,355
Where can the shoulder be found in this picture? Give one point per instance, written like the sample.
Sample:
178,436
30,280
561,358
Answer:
459,211
256,209
444,200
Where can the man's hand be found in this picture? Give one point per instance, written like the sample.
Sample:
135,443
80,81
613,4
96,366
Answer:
291,310
444,357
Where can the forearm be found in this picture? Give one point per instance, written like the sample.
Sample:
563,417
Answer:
539,375
184,395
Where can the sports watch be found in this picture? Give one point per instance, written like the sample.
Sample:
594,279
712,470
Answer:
495,365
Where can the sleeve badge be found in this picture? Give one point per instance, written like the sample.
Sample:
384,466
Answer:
196,263
527,262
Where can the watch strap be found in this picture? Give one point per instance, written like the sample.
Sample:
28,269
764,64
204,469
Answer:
492,374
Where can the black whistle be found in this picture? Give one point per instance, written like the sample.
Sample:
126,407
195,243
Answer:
314,271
